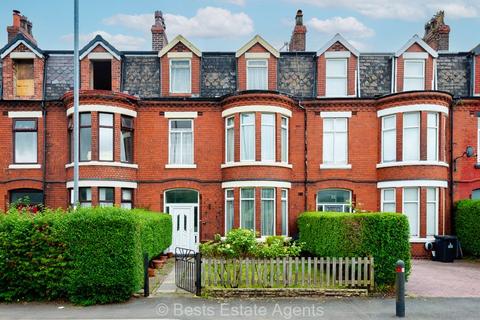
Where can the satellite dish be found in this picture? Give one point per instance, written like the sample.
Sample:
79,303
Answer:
469,152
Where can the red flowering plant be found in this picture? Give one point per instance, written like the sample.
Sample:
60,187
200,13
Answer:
25,205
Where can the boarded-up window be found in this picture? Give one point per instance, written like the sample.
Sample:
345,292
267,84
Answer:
24,84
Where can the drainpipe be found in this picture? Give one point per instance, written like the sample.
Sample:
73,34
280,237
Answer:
305,150
44,117
454,103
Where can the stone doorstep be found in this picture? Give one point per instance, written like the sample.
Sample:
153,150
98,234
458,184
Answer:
284,292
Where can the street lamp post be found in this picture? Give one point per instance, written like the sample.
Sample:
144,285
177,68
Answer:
76,91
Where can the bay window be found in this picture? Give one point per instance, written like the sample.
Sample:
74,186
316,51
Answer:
106,197
432,136
229,210
85,137
229,139
389,138
126,139
180,76
388,200
432,211
335,141
411,209
257,74
411,136
284,199
268,211
247,137
284,140
25,141
181,141
105,144
268,137
334,200
336,77
127,198
414,75
247,208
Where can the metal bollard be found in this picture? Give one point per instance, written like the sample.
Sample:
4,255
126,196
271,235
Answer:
400,288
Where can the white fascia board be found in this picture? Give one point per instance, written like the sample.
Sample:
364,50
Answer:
257,55
255,40
336,114
412,183
100,56
103,183
415,55
413,108
337,54
412,163
255,184
181,114
103,108
338,38
174,42
420,42
16,44
177,55
24,114
98,43
257,108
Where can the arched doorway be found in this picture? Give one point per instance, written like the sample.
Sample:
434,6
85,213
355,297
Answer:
182,205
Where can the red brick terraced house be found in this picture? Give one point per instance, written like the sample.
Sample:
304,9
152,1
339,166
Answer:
250,138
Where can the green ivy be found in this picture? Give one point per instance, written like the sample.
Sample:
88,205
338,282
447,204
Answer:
383,236
467,224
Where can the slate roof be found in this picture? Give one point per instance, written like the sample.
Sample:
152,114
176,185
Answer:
296,74
218,74
59,77
141,75
454,73
375,74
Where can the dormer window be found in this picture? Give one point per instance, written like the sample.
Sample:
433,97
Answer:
101,73
336,80
180,76
414,78
23,77
257,74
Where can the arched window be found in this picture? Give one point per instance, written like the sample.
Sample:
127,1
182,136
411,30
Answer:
334,200
476,194
181,196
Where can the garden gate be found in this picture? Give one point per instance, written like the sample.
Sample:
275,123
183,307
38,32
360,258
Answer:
188,264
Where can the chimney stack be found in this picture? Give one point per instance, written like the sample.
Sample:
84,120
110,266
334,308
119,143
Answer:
437,33
298,39
22,25
159,37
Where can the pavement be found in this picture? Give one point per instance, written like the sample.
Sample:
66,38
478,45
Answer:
437,279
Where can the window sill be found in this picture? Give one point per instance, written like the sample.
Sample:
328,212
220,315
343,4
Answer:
180,166
421,240
335,166
25,166
256,163
104,163
412,163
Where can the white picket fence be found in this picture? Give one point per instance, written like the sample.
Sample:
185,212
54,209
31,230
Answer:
288,272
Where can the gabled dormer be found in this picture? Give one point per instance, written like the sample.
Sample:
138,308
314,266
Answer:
257,65
180,68
337,69
100,65
476,70
415,66
22,71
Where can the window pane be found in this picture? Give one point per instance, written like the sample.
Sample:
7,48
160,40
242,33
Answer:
389,122
268,193
180,76
127,122
106,194
25,124
432,137
336,87
328,148
389,207
181,124
333,196
181,142
126,194
34,196
85,144
389,146
229,215
230,145
257,63
181,196
229,193
268,137
85,194
126,146
26,147
336,67
284,215
410,194
247,213
247,137
411,211
247,193
106,144
106,119
411,119
411,136
268,214
476,194
284,144
432,211
411,84
175,147
413,68
85,119
340,147
389,195
187,144
126,205
257,75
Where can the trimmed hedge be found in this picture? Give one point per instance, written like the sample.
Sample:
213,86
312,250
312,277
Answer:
93,255
383,236
467,224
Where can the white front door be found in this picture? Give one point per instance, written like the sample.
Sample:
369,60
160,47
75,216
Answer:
183,227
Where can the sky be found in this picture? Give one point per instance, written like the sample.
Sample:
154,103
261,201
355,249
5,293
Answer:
225,25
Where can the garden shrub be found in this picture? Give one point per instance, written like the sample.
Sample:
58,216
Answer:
383,236
467,225
92,255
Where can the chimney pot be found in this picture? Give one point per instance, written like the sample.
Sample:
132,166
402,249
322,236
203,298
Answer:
437,33
298,39
159,37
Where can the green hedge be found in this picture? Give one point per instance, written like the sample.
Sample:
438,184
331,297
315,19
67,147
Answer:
383,236
467,225
93,255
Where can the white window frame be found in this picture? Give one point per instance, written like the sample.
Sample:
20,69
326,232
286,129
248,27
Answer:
181,140
284,144
435,136
383,201
274,211
227,145
418,208
318,204
333,77
247,76
405,77
242,125
190,78
335,132
284,201
227,200
385,130
263,139
406,145
436,215
254,206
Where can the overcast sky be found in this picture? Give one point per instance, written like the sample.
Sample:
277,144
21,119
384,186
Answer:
225,25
